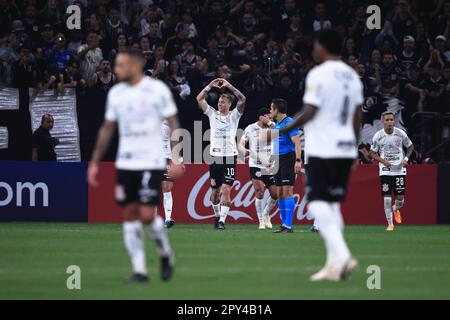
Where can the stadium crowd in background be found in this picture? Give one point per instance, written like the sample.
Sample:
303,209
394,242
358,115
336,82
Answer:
264,46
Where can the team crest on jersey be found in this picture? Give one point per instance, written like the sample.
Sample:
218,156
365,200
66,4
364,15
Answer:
213,182
120,193
258,174
385,187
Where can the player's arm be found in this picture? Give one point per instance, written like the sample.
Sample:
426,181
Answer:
103,140
239,95
201,97
298,153
241,147
374,152
174,124
410,148
307,114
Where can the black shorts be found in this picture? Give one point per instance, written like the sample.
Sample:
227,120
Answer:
143,187
327,179
222,171
257,174
285,175
166,176
393,185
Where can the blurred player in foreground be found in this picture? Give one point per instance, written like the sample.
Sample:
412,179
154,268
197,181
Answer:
223,149
331,117
260,166
138,105
387,149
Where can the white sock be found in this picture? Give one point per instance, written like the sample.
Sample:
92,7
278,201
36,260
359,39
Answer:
269,206
158,233
216,208
259,205
223,213
330,227
398,204
133,236
388,210
168,204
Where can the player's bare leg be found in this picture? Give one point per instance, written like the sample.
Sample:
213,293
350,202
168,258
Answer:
270,203
215,200
388,211
399,202
155,226
166,187
224,205
134,242
259,188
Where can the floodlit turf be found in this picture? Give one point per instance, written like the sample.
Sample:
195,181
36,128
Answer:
238,263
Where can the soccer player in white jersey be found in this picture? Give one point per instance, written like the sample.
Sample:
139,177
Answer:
387,149
168,181
223,149
260,166
331,117
138,105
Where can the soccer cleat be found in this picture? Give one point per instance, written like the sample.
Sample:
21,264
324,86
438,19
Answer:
349,267
262,226
314,229
390,228
397,215
169,224
138,278
167,267
221,225
283,229
216,222
267,222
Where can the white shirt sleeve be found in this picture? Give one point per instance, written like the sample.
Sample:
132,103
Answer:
406,141
245,136
313,88
235,114
168,107
209,111
111,111
359,98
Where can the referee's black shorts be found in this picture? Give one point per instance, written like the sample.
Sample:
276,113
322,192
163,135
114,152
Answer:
285,175
327,179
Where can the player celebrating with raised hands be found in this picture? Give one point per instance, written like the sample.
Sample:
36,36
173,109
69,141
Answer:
261,166
387,149
223,149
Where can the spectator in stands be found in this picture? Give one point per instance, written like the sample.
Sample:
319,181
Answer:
174,44
386,37
103,79
188,59
47,39
59,55
114,26
177,81
148,16
23,70
47,79
408,56
43,143
90,55
53,12
158,64
72,77
404,19
120,44
321,20
390,76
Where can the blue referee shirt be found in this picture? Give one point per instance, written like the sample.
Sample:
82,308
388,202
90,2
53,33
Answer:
284,144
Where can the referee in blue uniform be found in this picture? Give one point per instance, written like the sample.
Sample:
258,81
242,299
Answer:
287,150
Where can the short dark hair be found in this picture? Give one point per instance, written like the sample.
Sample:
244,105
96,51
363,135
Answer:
133,52
263,111
331,40
228,96
387,113
45,116
281,105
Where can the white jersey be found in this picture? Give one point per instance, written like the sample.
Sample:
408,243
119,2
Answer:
165,136
223,132
140,111
260,153
335,90
390,147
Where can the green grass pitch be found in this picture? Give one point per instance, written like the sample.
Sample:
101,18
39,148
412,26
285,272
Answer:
238,263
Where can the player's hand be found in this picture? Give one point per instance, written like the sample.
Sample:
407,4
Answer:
404,163
386,163
298,167
92,174
224,83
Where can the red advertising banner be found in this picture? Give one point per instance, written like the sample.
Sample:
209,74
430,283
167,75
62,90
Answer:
364,203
